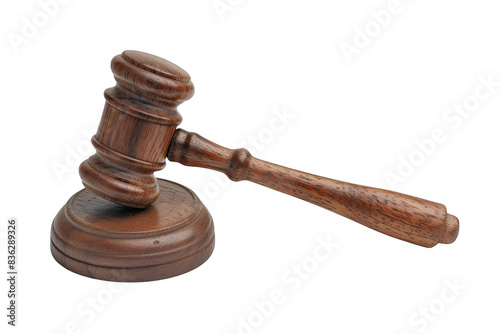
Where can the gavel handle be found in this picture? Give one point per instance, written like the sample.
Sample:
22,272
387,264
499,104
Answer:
408,218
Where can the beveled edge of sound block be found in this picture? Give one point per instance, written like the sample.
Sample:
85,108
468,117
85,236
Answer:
100,239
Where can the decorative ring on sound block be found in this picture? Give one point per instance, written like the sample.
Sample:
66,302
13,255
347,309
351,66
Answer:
100,239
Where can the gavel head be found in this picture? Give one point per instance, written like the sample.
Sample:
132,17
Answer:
139,119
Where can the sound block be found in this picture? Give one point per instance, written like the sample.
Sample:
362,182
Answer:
97,238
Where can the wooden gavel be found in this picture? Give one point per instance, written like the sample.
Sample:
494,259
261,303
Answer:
138,130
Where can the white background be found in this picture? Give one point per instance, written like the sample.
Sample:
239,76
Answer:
352,121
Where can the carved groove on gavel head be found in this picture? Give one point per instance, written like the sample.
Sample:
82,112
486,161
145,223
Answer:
139,119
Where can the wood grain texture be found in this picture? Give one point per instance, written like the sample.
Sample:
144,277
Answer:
100,239
139,118
408,218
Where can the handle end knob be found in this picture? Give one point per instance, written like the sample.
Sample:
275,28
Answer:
451,230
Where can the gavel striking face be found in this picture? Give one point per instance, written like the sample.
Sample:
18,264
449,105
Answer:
138,131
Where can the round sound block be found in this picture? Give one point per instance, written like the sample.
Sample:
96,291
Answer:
101,239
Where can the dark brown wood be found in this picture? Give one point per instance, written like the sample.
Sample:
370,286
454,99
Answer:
408,218
138,121
172,231
100,239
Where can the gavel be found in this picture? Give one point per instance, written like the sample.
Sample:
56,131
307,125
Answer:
138,132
